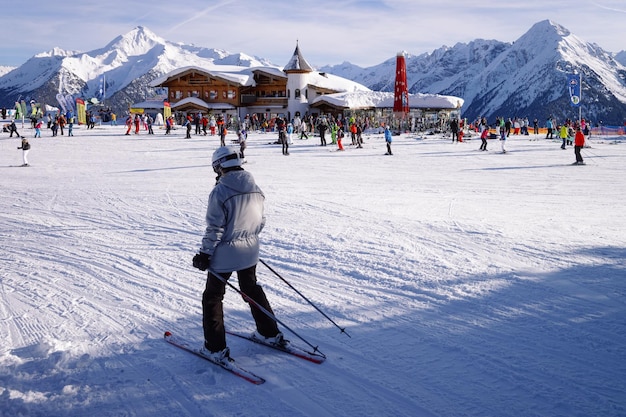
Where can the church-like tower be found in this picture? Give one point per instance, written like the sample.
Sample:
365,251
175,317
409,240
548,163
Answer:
297,71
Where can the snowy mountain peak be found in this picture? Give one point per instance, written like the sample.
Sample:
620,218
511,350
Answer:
542,35
55,52
549,25
136,42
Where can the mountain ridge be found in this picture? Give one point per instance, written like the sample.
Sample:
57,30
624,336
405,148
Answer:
525,78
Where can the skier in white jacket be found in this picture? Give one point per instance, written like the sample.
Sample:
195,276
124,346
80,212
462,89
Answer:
234,219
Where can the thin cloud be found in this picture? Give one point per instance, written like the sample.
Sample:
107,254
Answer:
197,15
612,9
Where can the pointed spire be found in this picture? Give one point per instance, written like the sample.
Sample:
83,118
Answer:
297,63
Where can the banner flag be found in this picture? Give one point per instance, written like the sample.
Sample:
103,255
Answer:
80,109
61,99
69,101
573,84
100,95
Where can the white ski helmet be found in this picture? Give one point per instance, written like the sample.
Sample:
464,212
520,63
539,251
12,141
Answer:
226,157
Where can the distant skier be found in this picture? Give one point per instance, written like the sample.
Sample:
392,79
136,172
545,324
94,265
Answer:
187,126
322,127
149,122
25,149
339,139
38,129
289,134
243,137
503,136
579,142
168,125
564,134
221,130
13,129
454,128
137,124
388,139
550,128
483,137
129,124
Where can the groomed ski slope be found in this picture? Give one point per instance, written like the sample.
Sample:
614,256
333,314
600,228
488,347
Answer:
472,283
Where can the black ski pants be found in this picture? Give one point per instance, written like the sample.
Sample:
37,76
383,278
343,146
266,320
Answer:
213,311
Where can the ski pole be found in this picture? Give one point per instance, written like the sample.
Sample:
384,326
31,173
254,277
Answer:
262,309
343,330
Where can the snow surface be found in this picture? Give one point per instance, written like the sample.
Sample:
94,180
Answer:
471,283
5,70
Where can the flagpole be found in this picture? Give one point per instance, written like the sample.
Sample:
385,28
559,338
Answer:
580,107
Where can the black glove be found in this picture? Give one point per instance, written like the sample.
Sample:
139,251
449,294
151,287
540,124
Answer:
201,261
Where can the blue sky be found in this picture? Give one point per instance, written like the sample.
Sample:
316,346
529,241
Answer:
363,32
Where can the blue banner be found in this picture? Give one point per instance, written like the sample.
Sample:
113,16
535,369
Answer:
573,85
101,89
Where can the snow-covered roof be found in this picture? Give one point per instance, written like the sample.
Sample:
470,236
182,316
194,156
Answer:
297,62
378,99
197,102
334,82
242,76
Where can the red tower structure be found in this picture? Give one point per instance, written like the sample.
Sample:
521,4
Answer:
400,92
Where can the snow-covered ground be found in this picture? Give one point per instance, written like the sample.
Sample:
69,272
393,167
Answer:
471,283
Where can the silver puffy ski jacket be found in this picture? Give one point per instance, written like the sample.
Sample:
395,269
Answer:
234,219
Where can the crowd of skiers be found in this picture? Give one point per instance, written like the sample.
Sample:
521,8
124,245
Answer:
570,132
57,124
330,129
336,128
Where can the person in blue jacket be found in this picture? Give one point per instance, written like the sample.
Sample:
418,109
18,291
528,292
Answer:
550,127
388,140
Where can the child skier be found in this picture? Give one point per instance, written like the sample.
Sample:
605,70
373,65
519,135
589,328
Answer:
289,134
339,137
503,138
38,129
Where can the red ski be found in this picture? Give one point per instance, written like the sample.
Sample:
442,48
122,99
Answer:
290,348
228,365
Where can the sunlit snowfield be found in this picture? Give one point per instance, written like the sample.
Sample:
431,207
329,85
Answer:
471,283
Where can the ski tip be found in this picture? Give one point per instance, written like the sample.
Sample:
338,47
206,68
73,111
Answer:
167,334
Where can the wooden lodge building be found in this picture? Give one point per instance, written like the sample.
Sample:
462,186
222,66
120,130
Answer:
295,90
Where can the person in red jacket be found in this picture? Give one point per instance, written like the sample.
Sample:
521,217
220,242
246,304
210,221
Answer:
579,142
129,124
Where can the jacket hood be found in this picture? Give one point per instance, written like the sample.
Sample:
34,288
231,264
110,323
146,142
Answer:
240,181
